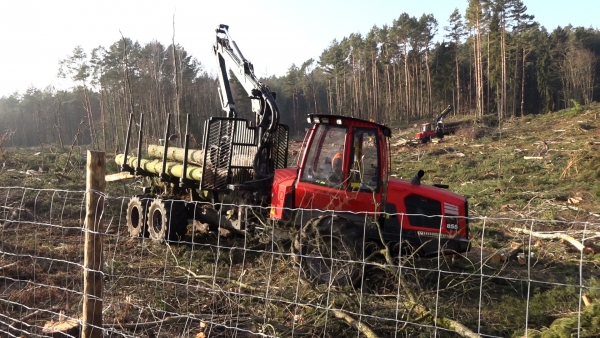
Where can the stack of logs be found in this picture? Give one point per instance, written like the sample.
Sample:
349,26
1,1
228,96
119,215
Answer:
174,164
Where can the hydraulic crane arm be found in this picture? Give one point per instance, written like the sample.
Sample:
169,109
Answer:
231,59
444,113
266,113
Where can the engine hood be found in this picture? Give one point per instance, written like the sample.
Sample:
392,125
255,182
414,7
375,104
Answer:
398,189
424,205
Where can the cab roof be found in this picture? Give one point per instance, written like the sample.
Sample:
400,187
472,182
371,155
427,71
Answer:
345,120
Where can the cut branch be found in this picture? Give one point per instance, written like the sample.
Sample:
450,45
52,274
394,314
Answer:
362,327
447,323
227,280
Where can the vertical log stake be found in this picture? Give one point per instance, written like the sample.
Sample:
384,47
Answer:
92,262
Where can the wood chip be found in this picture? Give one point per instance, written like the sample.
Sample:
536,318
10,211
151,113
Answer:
586,300
509,207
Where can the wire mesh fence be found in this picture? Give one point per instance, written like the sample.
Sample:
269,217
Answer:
522,277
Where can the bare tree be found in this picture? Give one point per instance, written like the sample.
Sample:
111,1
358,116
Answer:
77,68
577,74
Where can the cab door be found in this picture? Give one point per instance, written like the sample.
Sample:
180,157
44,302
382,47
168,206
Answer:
318,186
357,189
365,181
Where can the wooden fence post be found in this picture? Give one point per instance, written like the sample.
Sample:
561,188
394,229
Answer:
92,262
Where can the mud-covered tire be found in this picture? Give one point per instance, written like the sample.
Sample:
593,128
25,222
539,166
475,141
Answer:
167,220
329,250
136,216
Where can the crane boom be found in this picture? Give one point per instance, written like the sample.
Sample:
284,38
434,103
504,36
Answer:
266,113
231,59
444,113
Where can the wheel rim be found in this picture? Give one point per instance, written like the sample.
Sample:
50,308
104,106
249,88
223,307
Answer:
157,221
135,218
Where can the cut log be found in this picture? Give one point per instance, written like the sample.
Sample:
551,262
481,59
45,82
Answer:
118,177
176,154
521,258
65,328
172,169
556,235
505,254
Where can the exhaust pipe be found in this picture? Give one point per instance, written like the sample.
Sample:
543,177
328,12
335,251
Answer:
416,180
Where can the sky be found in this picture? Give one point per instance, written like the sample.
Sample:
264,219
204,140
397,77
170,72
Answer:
272,34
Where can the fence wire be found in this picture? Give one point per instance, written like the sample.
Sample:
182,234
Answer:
522,277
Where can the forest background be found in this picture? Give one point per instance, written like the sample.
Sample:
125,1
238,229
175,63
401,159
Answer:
494,60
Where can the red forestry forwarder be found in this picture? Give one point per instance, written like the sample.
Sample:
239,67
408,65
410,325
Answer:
337,196
437,129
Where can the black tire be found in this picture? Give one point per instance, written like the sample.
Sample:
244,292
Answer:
329,251
136,217
167,220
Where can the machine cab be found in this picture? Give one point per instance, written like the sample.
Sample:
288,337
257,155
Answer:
343,166
425,127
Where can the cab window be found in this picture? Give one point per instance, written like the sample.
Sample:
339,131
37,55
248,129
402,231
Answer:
325,157
364,160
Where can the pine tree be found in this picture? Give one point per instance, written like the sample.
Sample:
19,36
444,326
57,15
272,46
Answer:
456,31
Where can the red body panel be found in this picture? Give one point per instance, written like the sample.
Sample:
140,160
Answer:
451,205
281,191
425,134
311,196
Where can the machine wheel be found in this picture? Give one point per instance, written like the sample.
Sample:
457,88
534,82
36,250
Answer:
329,251
136,217
167,220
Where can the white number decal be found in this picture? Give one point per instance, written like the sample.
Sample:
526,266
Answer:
451,226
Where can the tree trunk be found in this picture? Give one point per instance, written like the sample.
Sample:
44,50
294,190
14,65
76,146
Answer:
457,105
407,84
429,99
525,54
